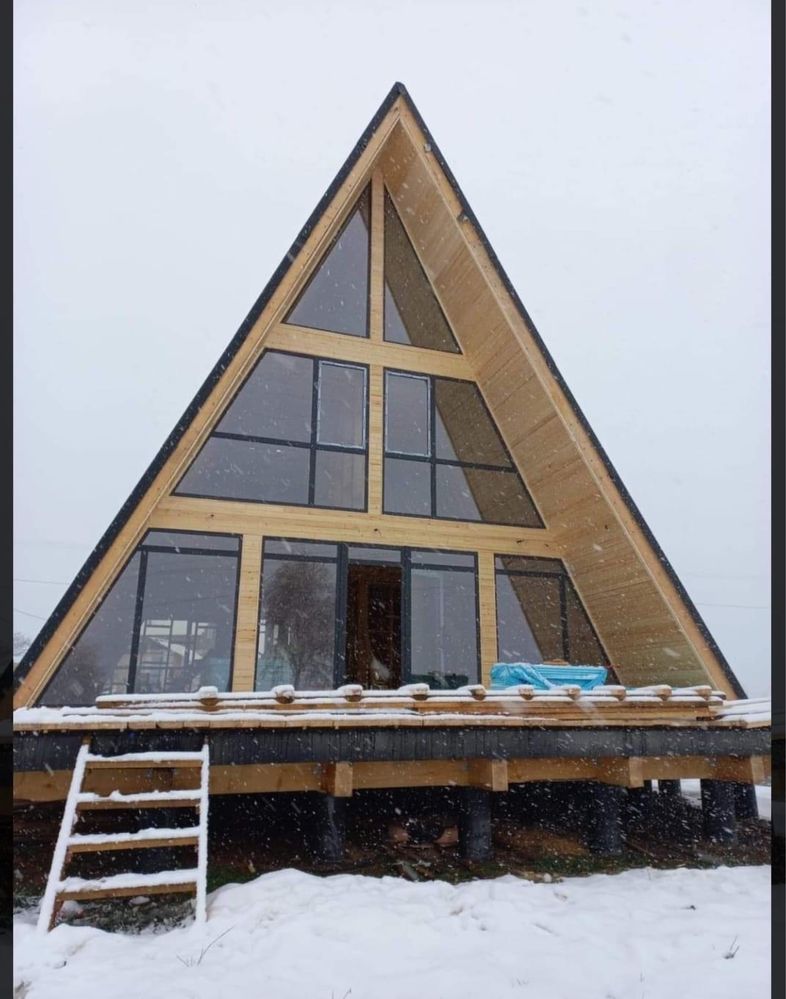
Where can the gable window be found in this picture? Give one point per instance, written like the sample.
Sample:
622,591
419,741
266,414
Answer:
540,617
296,433
336,297
412,313
166,624
444,457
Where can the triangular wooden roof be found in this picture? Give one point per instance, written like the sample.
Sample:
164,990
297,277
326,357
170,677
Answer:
501,334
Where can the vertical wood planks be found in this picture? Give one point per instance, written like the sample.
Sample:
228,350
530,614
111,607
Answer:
487,614
247,623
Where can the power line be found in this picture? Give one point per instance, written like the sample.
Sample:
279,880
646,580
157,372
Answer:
53,582
28,614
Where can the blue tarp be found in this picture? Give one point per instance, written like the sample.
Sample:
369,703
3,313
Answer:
541,677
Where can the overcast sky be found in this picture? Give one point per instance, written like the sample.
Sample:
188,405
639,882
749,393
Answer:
616,154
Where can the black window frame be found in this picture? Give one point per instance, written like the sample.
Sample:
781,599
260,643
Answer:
342,561
562,575
313,445
435,461
143,550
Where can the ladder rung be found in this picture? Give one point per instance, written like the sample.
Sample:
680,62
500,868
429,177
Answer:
145,839
122,885
146,799
144,761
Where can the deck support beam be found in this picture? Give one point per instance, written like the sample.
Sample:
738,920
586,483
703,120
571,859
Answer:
605,818
331,828
718,807
745,804
475,824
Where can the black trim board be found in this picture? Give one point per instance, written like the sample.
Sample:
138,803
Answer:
396,91
39,751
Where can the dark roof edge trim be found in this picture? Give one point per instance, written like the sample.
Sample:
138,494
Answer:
398,89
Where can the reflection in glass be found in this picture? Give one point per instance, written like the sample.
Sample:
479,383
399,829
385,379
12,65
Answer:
407,487
443,635
98,660
540,616
244,470
340,480
297,625
465,431
188,614
342,405
496,497
585,649
443,558
184,539
407,414
412,312
166,625
274,401
336,298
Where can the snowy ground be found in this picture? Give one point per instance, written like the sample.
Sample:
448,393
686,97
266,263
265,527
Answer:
642,934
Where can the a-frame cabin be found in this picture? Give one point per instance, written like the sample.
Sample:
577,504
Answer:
383,489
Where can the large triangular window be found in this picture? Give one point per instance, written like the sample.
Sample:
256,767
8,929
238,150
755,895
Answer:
336,297
412,312
295,433
445,458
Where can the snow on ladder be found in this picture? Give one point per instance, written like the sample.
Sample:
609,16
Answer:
60,888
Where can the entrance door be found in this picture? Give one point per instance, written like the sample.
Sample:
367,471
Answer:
374,626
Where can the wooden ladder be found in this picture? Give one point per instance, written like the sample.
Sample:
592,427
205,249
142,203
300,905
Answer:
193,881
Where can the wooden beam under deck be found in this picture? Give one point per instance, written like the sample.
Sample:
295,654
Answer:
343,778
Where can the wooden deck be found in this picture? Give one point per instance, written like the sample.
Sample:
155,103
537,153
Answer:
414,705
338,742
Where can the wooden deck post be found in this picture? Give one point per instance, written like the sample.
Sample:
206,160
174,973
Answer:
717,803
638,806
475,824
605,818
331,826
745,804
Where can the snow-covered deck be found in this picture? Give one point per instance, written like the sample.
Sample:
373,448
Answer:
350,739
414,705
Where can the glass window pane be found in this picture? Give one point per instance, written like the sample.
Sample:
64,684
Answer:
407,414
289,547
585,649
412,312
182,539
529,625
297,625
340,480
515,641
374,555
275,400
443,558
243,470
98,660
336,298
188,618
444,627
481,494
464,430
342,405
407,487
